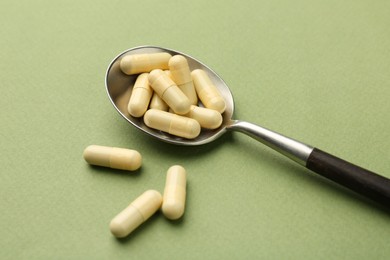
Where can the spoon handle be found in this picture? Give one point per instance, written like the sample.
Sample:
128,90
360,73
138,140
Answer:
362,181
365,182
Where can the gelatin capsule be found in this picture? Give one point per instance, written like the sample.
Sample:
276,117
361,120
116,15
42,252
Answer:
158,103
181,75
140,96
174,197
113,157
207,118
169,92
207,91
136,213
138,63
171,123
169,74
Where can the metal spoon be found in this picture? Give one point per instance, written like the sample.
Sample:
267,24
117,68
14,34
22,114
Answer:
367,183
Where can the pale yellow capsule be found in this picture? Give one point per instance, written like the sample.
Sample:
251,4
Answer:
171,123
140,96
174,197
136,213
207,118
158,103
181,75
169,74
169,92
207,91
113,157
139,63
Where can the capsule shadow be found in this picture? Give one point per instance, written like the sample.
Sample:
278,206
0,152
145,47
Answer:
106,170
176,222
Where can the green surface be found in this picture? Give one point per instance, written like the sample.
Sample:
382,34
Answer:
317,71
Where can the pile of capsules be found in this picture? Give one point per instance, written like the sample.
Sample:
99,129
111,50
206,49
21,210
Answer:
167,93
172,203
170,98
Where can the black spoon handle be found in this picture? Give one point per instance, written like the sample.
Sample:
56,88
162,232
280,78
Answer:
365,182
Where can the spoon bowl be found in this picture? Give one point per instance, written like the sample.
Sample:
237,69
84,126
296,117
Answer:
119,87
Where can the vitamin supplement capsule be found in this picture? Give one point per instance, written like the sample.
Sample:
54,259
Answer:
136,213
207,91
174,198
169,92
181,75
207,118
169,74
113,157
158,103
139,63
140,96
171,123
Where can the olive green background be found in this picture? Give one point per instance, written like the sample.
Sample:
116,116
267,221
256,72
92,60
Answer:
318,71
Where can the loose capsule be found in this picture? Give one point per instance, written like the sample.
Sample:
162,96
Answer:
174,197
139,63
136,213
171,123
158,103
140,96
181,75
169,92
207,91
207,118
113,157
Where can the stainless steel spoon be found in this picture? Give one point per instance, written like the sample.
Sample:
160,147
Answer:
372,185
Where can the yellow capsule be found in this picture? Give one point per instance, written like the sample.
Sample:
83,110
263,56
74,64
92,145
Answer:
207,91
113,157
169,74
138,63
158,103
169,92
174,198
136,213
171,123
207,118
181,75
140,96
